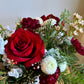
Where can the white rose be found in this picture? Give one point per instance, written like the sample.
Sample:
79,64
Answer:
49,65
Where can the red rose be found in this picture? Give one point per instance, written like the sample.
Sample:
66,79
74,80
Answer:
50,16
30,23
50,79
25,46
79,48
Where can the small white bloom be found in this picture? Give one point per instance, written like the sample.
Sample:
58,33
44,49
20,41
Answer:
2,43
37,80
45,50
60,34
72,24
76,27
51,50
75,32
68,40
81,22
49,65
40,20
15,72
63,66
81,30
52,21
64,29
77,16
8,28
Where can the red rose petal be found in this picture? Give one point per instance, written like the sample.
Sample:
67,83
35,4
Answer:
25,46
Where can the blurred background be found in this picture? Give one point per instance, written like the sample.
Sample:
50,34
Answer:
11,10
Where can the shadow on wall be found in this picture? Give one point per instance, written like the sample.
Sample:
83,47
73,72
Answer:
80,10
81,7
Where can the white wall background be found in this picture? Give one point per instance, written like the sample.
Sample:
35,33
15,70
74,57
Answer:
11,10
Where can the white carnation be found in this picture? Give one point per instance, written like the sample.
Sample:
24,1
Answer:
63,66
40,20
49,65
15,72
2,43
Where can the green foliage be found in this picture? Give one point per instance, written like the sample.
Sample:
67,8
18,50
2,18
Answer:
64,16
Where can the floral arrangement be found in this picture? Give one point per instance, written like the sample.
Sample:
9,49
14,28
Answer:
41,50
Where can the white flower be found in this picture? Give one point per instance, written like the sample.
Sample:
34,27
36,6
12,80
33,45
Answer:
63,66
40,20
51,50
15,72
68,40
2,43
72,24
57,51
81,30
37,80
76,27
8,28
75,32
49,65
45,50
60,34
77,16
64,29
52,21
81,22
